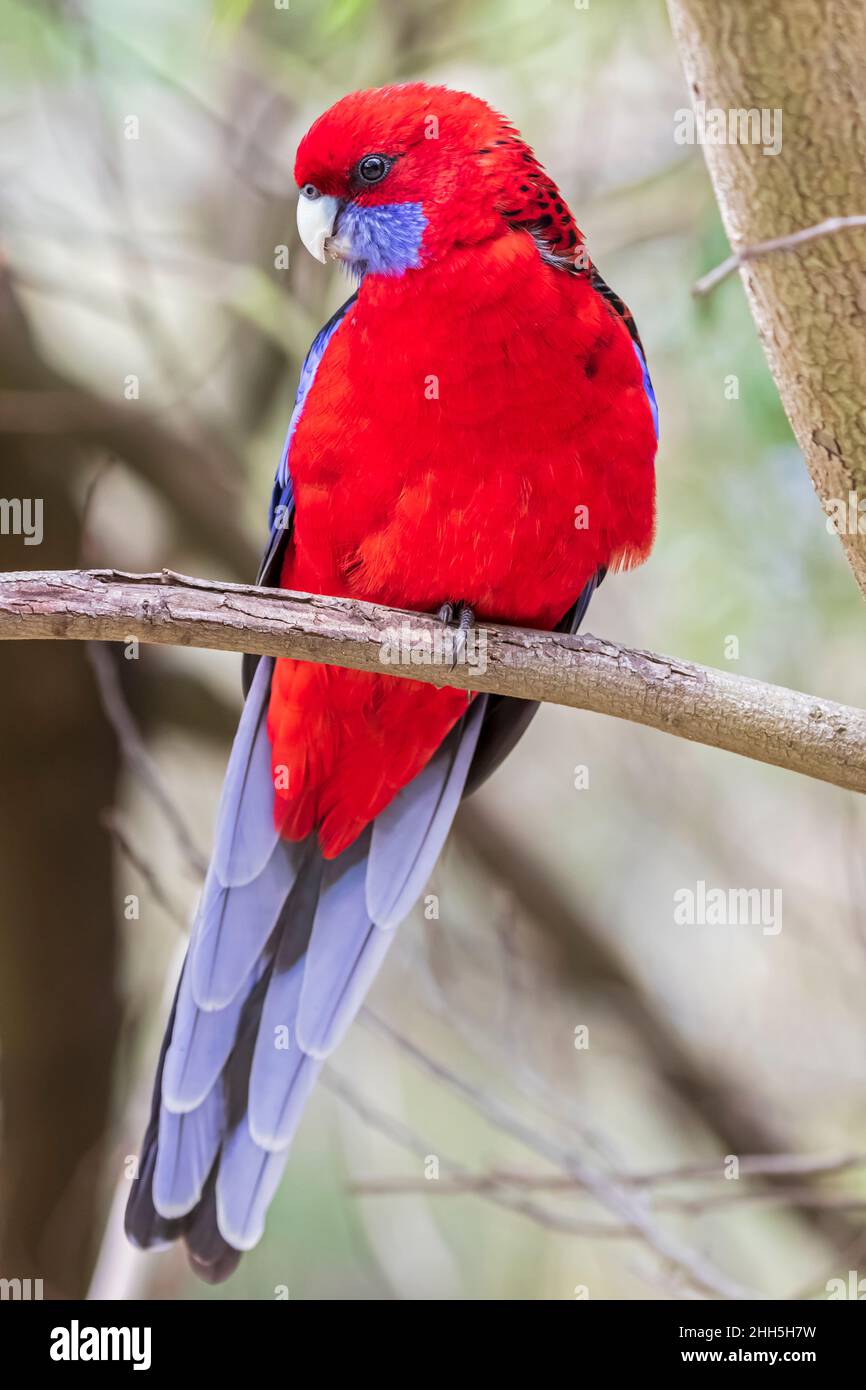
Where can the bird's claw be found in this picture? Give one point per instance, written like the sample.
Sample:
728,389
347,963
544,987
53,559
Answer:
460,616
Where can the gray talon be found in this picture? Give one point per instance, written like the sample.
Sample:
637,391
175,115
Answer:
462,617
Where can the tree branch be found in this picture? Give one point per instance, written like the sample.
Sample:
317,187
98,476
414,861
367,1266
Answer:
790,242
791,1165
802,733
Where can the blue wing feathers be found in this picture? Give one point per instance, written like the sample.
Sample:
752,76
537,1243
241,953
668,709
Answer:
648,386
310,366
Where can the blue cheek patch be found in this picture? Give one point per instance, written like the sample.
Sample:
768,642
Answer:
385,240
648,387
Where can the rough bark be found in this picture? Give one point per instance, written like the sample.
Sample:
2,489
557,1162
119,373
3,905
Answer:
59,1010
818,738
805,57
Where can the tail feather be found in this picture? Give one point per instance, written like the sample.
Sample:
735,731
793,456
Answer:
246,832
281,1075
278,1097
409,834
233,926
186,1150
344,953
329,1006
247,1178
201,1042
146,1229
144,1226
284,947
210,1255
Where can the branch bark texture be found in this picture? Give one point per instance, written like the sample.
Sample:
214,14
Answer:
816,737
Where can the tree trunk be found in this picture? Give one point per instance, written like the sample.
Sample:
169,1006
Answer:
59,1012
805,58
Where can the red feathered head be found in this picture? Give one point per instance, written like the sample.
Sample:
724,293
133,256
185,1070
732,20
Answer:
393,178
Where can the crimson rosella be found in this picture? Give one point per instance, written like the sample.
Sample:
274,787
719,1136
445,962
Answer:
474,433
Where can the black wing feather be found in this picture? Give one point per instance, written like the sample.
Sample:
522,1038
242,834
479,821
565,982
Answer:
507,718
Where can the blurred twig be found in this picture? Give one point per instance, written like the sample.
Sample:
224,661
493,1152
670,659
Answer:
202,504
750,1166
40,402
714,277
726,1106
137,756
409,1140
617,1199
115,826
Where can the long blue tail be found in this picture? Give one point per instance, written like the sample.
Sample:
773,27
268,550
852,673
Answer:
284,947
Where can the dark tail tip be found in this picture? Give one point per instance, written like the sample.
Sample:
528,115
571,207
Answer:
218,1271
210,1257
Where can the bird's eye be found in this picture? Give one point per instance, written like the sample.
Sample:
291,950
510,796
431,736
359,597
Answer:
310,191
373,168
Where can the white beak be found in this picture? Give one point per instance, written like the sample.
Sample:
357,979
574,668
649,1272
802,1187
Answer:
316,218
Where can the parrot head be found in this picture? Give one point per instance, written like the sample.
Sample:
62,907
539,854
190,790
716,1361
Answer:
395,178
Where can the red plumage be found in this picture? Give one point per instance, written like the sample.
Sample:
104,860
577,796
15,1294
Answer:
462,413
477,427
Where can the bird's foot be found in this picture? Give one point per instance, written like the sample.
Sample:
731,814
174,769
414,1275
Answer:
460,616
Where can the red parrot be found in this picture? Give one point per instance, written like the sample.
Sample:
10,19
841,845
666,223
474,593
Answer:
474,435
